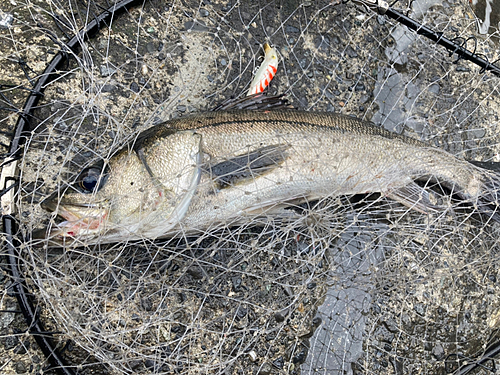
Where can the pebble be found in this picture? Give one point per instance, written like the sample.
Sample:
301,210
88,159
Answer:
270,336
164,368
323,43
270,30
280,316
20,367
6,20
22,348
434,88
135,364
252,355
359,87
198,26
204,13
10,342
438,352
279,363
236,283
136,318
149,363
241,312
150,47
6,318
223,62
478,134
194,271
106,71
381,20
134,87
265,369
351,52
419,309
292,29
108,88
288,291
176,329
300,357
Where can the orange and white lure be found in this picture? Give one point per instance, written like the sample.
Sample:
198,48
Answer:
266,71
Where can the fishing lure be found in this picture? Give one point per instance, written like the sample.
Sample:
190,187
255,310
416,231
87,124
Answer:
266,71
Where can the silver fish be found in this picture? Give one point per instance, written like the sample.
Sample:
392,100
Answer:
224,168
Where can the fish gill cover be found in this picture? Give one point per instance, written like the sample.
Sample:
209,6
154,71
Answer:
347,285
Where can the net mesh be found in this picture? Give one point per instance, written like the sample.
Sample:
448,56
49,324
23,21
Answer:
348,285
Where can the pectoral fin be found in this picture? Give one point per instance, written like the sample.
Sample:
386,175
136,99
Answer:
247,167
415,197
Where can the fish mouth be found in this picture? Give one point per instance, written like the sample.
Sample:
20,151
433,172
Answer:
80,220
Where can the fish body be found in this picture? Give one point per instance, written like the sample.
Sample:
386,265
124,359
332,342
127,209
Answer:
223,168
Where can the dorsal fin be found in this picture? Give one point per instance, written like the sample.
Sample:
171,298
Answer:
258,102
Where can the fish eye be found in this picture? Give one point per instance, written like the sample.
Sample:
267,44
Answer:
90,179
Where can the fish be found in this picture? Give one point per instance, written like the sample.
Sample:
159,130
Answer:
224,168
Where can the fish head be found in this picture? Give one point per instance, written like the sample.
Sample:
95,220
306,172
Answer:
82,204
141,192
